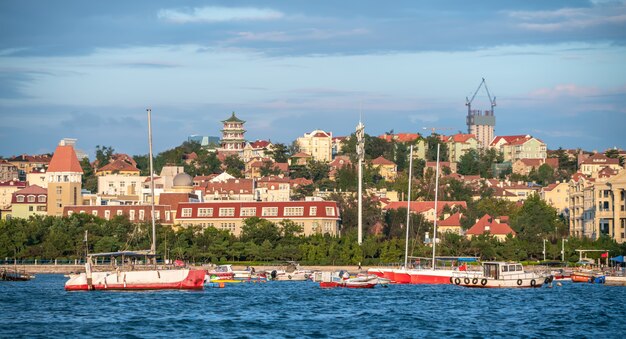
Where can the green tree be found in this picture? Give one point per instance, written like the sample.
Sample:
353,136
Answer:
280,152
234,166
469,163
103,155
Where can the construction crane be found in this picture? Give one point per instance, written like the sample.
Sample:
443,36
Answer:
468,102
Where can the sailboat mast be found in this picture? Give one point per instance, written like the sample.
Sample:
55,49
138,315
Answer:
153,246
360,151
436,213
408,211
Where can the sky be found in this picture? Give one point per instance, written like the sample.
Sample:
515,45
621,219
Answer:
89,69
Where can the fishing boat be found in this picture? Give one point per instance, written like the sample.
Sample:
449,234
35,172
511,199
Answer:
499,274
226,274
126,277
14,275
588,276
343,280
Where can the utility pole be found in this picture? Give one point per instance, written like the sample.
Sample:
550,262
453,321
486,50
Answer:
563,249
360,151
544,249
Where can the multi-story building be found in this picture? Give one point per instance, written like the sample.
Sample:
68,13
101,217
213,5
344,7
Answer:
595,163
494,226
459,144
233,134
37,177
318,144
256,149
121,185
28,202
419,143
7,188
525,166
581,206
516,147
64,177
134,213
26,163
8,171
313,216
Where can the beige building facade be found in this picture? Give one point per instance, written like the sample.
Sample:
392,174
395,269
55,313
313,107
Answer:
64,177
318,144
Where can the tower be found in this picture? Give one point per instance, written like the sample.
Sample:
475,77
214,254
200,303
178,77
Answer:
480,123
64,178
232,134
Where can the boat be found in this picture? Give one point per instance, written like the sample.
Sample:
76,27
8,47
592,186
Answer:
588,276
343,280
292,272
497,274
15,275
226,274
126,277
615,280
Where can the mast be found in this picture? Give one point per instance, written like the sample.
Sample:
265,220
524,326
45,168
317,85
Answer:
408,211
436,215
360,151
153,246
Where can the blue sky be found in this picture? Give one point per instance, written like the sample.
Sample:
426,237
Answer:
89,69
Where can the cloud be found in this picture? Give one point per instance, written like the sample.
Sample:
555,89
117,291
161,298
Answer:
218,14
564,90
305,34
566,19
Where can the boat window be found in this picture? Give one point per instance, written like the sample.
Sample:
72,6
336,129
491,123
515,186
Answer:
505,268
519,268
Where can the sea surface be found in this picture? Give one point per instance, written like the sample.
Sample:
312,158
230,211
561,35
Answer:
42,308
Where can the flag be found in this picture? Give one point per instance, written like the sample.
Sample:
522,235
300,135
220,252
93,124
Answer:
604,255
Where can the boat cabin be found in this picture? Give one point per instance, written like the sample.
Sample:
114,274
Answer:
501,270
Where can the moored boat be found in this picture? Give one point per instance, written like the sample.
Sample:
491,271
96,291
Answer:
14,275
502,275
343,280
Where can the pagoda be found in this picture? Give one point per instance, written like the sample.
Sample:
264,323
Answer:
232,134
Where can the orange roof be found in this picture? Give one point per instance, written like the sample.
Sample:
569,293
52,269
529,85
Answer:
453,220
118,165
600,159
301,155
494,227
64,160
382,161
32,189
460,137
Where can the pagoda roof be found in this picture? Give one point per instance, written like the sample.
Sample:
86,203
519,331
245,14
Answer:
233,118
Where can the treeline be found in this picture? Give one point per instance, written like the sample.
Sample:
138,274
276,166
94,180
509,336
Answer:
260,241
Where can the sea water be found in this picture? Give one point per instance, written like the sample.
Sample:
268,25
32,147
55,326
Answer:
42,308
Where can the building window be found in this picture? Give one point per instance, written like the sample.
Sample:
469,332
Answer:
20,198
131,217
248,211
107,214
269,211
59,190
328,226
41,198
313,211
42,208
69,213
205,212
119,212
294,211
330,211
94,212
227,212
167,215
141,214
31,198
30,208
186,213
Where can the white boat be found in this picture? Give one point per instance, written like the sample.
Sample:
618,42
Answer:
292,272
343,280
497,274
126,277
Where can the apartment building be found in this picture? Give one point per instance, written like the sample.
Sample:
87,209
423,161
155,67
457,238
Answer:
313,216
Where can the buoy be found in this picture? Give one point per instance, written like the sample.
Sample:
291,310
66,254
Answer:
559,284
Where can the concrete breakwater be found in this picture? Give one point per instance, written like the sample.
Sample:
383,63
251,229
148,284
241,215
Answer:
67,268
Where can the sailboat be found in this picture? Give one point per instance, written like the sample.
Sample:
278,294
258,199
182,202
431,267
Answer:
126,277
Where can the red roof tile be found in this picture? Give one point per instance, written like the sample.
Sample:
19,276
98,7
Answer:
495,228
119,166
65,160
453,220
382,161
461,138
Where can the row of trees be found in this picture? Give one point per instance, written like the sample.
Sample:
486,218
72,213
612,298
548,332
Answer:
262,240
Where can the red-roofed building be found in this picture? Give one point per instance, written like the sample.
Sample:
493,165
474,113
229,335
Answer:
318,144
525,166
230,189
451,224
493,226
442,164
313,216
515,147
556,195
257,149
8,171
134,213
29,201
26,163
339,162
426,208
595,163
64,177
300,159
119,167
459,144
7,188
